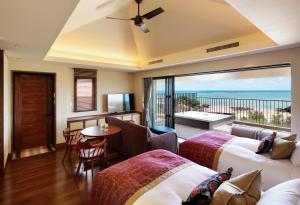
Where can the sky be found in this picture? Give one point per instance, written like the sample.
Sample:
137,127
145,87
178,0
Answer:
271,83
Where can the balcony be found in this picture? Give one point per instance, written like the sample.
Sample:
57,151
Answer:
274,113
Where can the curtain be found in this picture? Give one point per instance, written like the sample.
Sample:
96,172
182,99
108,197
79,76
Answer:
147,102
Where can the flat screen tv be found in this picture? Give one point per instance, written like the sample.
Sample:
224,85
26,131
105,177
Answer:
120,102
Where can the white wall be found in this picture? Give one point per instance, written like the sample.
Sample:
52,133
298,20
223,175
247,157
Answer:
107,82
6,95
269,58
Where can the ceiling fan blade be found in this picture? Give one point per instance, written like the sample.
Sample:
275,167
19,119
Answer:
153,13
119,19
144,28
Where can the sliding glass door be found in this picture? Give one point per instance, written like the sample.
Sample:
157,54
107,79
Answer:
163,102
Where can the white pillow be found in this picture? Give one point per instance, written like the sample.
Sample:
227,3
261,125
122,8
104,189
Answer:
295,158
287,193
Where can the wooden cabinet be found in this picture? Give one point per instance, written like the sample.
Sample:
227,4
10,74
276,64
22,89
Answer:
94,120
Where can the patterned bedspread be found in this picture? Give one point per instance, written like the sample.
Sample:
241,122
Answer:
205,149
124,182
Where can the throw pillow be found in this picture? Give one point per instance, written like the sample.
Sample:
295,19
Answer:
266,144
242,190
202,194
150,134
295,158
279,135
289,137
245,131
286,193
282,149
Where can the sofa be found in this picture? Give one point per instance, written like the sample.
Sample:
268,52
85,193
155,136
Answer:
136,139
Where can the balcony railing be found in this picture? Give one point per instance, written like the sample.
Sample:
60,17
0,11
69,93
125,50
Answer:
266,112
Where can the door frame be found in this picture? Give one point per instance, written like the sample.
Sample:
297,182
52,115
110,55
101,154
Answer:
53,76
2,166
170,98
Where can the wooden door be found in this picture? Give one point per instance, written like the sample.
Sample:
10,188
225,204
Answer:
33,110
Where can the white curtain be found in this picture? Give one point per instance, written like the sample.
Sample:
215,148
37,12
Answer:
147,101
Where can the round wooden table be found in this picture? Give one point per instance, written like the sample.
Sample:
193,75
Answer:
98,132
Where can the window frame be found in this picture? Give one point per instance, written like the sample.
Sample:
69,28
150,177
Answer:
94,93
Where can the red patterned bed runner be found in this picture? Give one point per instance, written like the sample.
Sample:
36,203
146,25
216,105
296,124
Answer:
204,149
117,184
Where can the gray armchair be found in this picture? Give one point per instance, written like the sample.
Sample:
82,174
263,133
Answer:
136,139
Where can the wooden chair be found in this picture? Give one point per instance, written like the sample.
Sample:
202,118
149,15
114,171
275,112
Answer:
71,139
90,154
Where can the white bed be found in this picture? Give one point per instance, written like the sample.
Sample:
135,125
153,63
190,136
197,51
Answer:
177,187
240,154
170,188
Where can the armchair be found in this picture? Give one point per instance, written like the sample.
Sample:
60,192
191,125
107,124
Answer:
136,139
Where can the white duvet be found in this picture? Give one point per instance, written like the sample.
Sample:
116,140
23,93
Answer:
175,188
240,154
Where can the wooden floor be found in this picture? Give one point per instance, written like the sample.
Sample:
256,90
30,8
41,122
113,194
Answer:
43,180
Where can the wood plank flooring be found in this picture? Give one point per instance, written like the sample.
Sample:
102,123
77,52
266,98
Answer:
44,180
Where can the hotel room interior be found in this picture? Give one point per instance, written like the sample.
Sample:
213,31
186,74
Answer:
150,102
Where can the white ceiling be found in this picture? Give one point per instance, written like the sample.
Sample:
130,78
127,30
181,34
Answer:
182,26
279,19
88,11
107,39
77,33
188,24
28,28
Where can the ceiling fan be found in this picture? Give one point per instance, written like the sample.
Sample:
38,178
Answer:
139,19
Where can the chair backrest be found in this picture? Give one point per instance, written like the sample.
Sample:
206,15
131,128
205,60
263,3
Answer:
86,150
71,135
134,138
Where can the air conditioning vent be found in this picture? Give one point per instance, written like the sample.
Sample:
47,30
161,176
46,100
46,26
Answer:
218,48
156,61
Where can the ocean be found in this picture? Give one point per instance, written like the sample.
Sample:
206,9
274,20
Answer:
251,94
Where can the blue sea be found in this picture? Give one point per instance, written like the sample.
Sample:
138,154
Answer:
251,94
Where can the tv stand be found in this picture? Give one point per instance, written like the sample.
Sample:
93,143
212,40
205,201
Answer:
95,120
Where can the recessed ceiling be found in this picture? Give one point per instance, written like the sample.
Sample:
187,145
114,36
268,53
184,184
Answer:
110,40
189,24
184,25
90,10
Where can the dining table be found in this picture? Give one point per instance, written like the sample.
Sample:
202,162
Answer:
101,132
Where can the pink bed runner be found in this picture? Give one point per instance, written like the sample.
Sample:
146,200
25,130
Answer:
123,183
204,149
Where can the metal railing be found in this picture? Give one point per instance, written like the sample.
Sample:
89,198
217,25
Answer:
266,112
